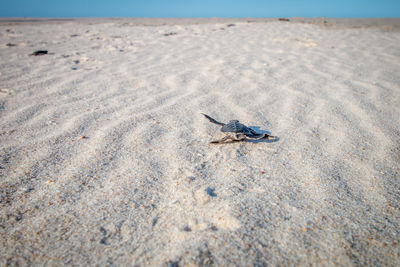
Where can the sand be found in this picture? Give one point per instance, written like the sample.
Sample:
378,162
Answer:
105,156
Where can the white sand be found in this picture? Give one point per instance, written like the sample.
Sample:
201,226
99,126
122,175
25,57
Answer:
105,156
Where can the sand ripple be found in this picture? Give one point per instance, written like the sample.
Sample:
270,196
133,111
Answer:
104,154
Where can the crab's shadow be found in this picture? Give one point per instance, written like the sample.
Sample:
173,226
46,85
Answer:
259,131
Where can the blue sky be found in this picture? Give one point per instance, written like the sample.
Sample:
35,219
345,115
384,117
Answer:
199,8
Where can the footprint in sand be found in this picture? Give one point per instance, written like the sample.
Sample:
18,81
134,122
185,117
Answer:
212,212
4,92
82,60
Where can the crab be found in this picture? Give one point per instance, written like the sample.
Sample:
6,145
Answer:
236,131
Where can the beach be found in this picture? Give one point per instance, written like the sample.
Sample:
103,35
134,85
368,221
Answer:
105,156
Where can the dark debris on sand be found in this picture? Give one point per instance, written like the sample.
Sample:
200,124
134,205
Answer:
170,33
39,53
